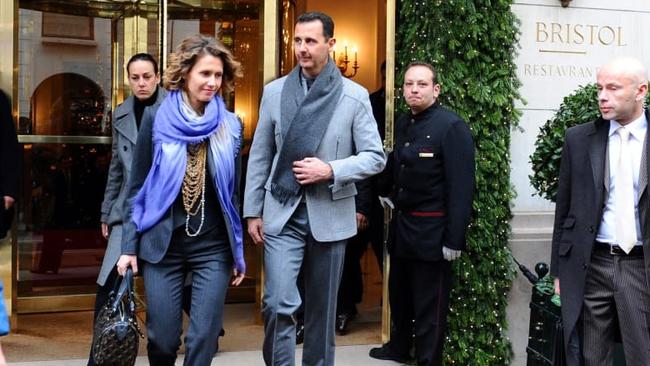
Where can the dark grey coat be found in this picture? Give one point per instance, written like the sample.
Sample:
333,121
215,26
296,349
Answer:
125,134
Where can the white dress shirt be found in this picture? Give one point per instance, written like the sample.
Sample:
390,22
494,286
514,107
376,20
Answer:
637,129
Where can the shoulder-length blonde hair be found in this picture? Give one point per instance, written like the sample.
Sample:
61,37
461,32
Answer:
187,53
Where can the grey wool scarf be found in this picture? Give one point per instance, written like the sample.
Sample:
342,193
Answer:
305,118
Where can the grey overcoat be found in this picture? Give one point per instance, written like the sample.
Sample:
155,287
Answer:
582,192
125,134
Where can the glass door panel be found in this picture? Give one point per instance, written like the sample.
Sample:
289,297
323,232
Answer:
60,246
70,78
237,25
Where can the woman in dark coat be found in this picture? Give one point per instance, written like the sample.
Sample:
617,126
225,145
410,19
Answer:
142,73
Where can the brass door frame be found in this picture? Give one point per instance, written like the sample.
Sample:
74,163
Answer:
59,139
270,19
391,13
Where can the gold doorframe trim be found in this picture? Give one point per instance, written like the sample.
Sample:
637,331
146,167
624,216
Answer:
388,146
8,83
390,72
270,49
62,139
270,68
8,37
162,26
45,304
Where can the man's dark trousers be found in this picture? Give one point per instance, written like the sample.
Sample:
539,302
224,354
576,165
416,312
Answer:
423,297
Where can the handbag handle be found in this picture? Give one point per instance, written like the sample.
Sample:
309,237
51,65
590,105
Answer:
125,289
116,286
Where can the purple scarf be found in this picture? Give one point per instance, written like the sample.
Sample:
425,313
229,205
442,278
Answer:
173,129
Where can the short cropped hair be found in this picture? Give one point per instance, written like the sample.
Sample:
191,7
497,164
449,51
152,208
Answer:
326,21
189,51
425,64
142,57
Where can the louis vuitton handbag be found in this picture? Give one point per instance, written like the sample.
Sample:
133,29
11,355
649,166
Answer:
116,333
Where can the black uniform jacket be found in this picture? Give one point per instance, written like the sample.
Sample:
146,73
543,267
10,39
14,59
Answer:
430,178
9,162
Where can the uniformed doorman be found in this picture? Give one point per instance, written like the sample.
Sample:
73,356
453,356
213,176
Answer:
430,179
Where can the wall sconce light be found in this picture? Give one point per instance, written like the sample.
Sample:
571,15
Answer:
343,62
565,3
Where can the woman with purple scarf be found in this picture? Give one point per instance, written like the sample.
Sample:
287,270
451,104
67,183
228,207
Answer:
183,206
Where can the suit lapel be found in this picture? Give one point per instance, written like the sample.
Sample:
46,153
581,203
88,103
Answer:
125,123
597,156
126,126
643,172
643,194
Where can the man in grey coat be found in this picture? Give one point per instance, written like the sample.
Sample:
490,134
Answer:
316,136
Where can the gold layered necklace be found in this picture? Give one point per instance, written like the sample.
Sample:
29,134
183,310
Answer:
194,184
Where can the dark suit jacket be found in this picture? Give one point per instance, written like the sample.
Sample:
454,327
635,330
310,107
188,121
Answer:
9,150
9,161
364,198
578,212
430,177
378,104
367,195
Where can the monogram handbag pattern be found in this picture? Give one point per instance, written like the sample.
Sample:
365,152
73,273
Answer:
116,333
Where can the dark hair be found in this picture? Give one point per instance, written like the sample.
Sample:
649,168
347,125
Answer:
187,53
383,66
142,57
425,64
326,21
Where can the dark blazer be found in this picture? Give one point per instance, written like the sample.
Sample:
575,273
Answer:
430,177
579,208
9,162
152,245
364,198
9,150
378,104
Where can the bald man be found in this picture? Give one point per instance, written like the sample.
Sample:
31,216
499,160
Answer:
602,228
